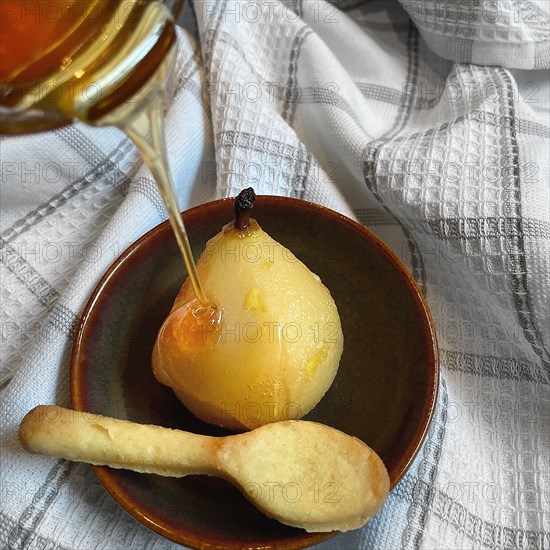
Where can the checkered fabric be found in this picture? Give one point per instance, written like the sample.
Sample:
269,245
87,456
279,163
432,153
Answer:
428,122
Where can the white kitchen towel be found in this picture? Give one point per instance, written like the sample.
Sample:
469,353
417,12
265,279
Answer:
428,122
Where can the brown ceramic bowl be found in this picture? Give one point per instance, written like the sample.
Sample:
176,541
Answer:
384,392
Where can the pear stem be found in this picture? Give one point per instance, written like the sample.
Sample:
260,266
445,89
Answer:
243,205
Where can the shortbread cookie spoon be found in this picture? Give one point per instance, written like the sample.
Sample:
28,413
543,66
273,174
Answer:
302,473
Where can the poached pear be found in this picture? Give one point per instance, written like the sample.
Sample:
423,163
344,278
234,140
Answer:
266,348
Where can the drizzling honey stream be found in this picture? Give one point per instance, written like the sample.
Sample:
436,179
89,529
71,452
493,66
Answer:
113,72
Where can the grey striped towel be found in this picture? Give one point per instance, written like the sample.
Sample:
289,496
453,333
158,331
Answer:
428,122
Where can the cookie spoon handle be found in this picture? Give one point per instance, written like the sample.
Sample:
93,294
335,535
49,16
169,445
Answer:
85,437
